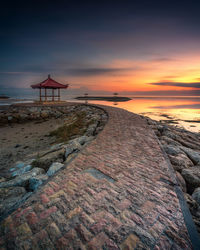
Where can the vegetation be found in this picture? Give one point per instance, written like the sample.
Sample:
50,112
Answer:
76,127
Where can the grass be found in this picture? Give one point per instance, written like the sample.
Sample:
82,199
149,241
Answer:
68,131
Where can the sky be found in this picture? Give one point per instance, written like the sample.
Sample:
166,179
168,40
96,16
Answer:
101,47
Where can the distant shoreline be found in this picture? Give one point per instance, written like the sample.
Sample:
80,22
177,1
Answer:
104,98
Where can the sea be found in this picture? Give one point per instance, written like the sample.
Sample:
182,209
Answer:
179,111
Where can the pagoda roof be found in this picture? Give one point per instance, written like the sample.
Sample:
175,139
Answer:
50,83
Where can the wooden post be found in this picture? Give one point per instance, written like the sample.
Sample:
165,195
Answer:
53,95
58,94
45,94
40,95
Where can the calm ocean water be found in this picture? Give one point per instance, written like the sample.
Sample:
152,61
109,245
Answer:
180,111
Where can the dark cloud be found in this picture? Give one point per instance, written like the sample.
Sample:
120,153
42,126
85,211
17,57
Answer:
195,85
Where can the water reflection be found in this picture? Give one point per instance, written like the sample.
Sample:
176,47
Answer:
181,111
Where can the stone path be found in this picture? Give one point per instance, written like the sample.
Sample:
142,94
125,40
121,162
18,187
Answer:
119,193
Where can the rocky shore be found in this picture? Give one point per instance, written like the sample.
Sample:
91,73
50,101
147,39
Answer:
80,125
183,150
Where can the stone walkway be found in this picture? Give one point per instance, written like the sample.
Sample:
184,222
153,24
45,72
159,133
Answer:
119,193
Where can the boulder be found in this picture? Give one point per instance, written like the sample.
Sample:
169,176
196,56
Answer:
193,155
91,130
196,195
73,145
36,181
180,162
84,139
191,202
21,170
171,149
22,180
19,164
170,134
46,160
54,168
168,140
192,177
181,181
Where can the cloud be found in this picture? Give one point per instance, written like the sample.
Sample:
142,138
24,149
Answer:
12,73
195,85
162,59
96,71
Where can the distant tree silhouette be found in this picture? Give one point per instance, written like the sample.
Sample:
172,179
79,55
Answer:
115,94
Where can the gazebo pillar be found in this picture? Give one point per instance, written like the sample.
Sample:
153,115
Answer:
40,95
45,94
58,94
52,95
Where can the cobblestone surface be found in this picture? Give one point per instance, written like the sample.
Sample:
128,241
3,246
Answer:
135,207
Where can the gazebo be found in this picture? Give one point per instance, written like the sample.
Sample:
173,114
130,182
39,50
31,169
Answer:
49,83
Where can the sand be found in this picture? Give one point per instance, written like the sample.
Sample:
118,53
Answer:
19,141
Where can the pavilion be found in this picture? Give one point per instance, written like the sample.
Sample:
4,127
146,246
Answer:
49,83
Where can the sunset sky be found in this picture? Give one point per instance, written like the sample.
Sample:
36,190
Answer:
132,47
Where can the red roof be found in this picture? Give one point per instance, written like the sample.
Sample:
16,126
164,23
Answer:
50,83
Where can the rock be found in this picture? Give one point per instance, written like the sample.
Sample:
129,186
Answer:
2,179
181,181
21,170
171,150
22,180
192,177
167,140
44,114
151,122
162,128
68,151
19,164
73,145
56,146
9,197
70,157
54,168
196,195
36,181
84,139
45,161
91,129
12,202
10,118
170,134
9,192
193,155
191,202
180,162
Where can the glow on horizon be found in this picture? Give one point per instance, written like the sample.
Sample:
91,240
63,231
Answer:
138,75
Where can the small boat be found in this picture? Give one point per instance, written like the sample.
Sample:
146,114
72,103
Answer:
4,96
